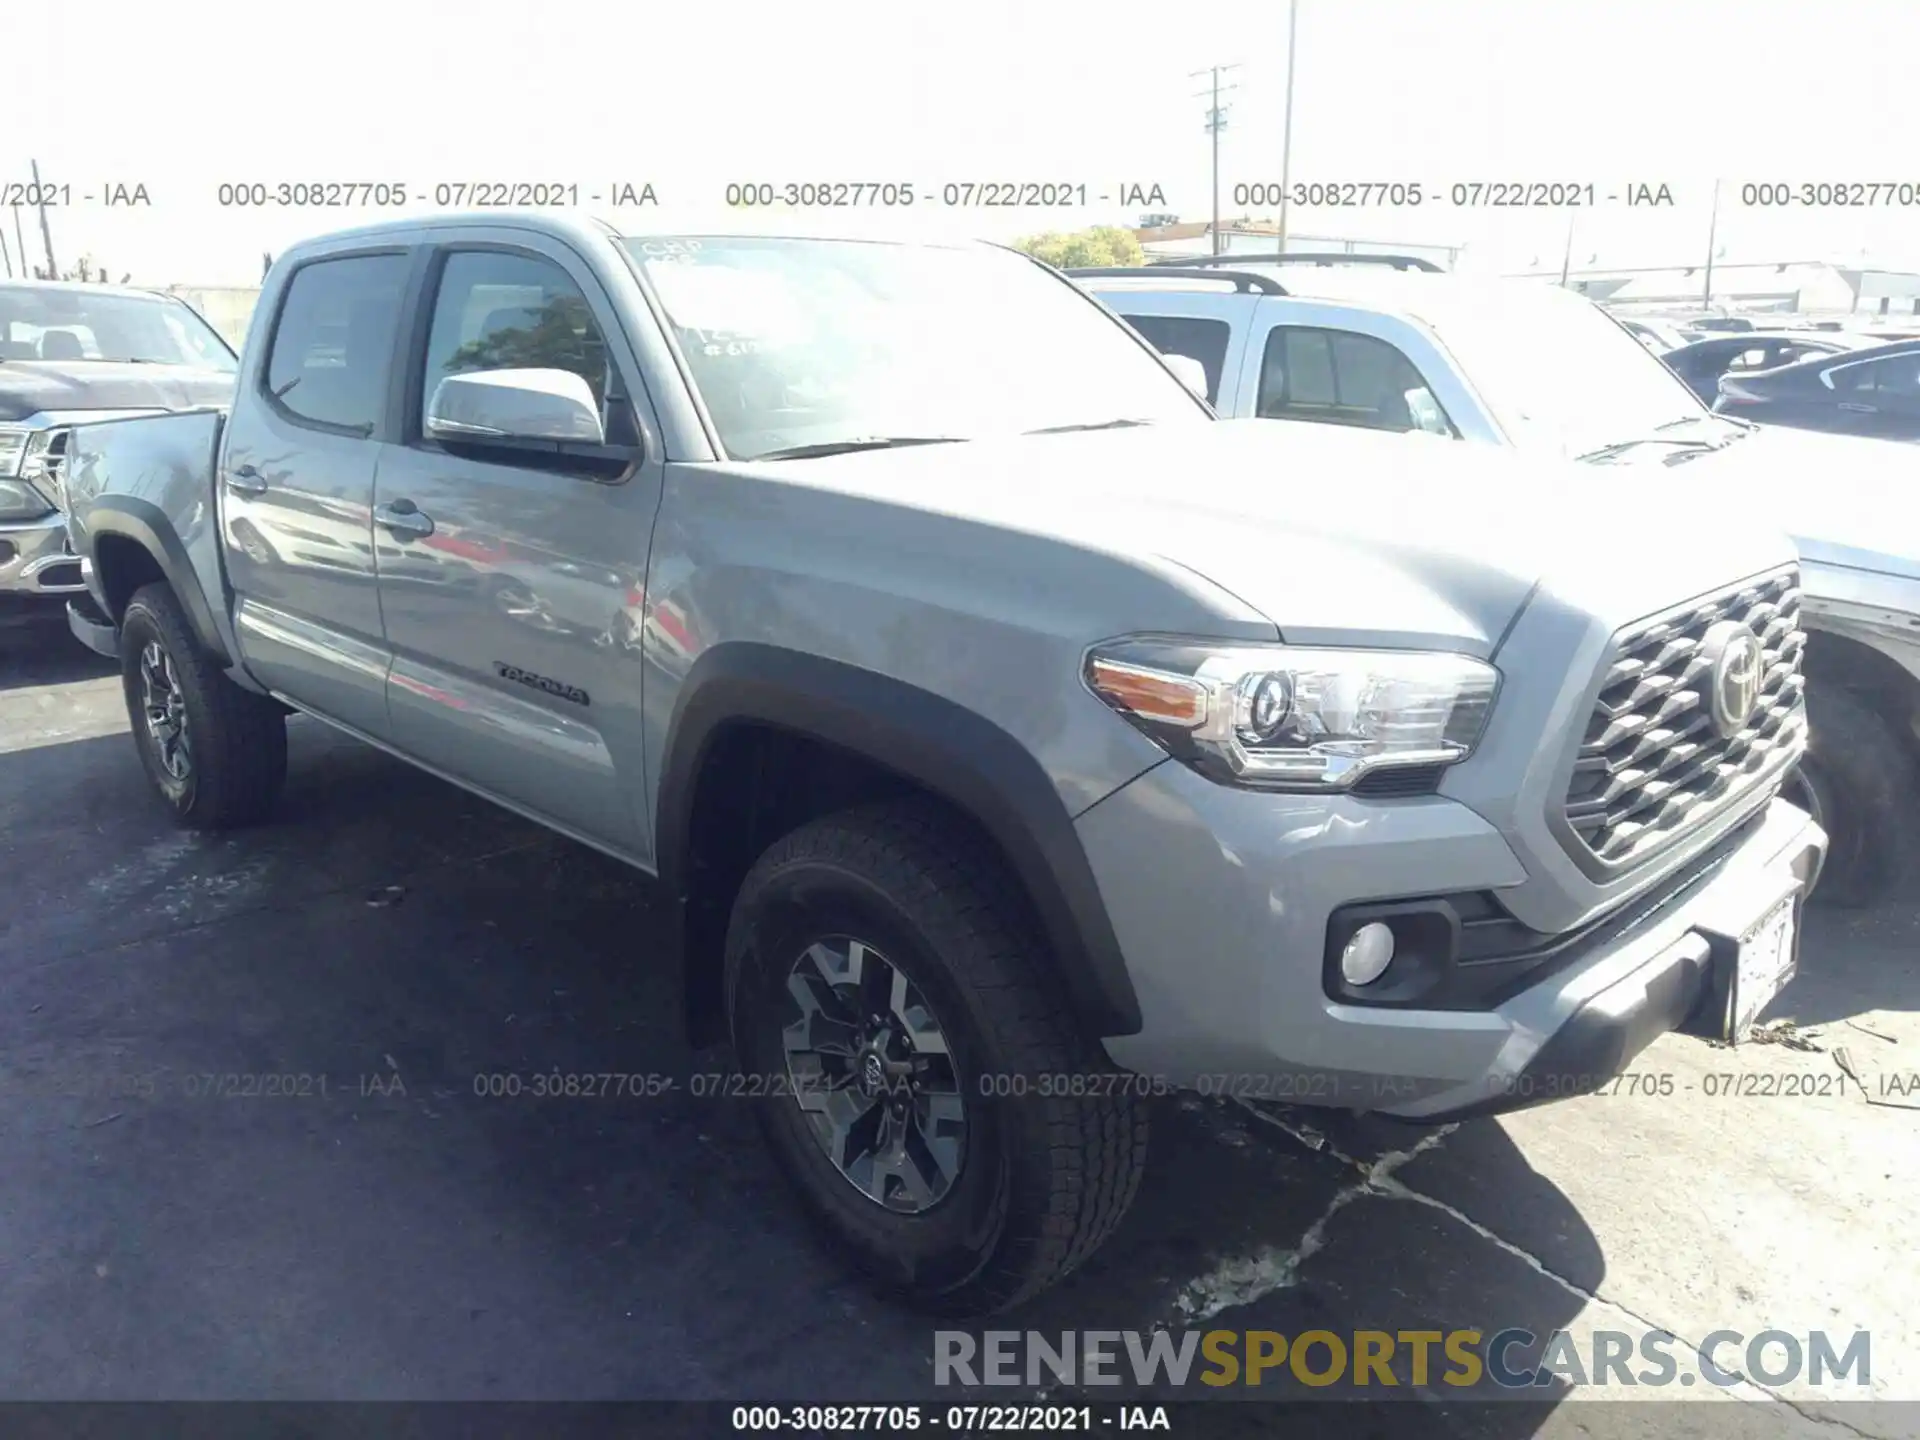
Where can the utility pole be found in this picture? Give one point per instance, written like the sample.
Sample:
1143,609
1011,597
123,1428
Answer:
46,232
20,244
1216,122
6,253
1566,258
1286,142
1713,224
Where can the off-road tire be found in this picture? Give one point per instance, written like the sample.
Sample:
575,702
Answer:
238,738
1045,1178
1858,779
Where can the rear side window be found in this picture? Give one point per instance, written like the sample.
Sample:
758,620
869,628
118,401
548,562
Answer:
1897,375
1342,378
1202,340
334,340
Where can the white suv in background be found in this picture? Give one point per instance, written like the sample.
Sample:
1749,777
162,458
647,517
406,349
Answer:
1393,343
1390,342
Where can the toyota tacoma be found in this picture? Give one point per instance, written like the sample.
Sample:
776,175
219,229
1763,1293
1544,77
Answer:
1014,738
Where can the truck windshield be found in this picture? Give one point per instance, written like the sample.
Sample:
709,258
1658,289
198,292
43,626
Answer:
70,323
1559,373
808,345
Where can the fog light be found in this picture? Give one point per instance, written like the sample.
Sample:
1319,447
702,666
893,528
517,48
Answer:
1367,954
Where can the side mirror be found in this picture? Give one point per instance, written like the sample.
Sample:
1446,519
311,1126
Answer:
514,405
1191,372
1428,418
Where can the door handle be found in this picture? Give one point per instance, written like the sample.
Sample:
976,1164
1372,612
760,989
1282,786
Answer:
1858,409
404,519
246,480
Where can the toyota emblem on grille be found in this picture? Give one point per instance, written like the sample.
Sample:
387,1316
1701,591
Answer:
1733,682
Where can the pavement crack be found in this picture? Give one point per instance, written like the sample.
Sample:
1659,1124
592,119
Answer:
1243,1279
1378,1179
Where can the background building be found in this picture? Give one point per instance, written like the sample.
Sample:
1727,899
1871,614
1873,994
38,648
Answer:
1796,287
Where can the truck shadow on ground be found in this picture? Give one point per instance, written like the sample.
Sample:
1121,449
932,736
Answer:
421,958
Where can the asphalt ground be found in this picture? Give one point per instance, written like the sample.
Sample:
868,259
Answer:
387,1232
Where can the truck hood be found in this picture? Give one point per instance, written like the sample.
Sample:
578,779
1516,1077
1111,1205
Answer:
1845,500
1335,533
28,387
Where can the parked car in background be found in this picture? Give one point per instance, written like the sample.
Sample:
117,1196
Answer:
971,753
1721,323
1656,335
1872,392
1526,364
71,352
1704,362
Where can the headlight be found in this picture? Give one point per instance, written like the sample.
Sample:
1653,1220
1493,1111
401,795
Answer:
20,501
13,449
30,456
1294,717
40,461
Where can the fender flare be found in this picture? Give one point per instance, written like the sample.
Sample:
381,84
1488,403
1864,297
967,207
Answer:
931,741
141,521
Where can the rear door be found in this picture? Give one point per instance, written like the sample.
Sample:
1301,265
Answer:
513,590
296,486
1880,398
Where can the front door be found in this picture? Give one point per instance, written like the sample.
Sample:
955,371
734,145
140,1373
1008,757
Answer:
296,488
512,588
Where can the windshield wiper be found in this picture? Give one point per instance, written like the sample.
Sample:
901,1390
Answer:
848,447
1740,428
1091,425
1686,447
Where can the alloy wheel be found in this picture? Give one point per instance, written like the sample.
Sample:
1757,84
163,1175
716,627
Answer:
872,1072
165,710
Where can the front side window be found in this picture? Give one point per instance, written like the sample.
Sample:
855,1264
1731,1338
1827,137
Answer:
1202,340
334,340
501,311
1342,378
796,344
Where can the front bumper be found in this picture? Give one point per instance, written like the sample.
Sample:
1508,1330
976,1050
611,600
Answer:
35,558
1226,947
92,628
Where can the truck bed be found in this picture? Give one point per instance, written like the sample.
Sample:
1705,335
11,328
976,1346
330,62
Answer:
150,479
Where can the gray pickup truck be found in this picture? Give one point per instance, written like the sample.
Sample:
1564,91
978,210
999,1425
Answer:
1008,757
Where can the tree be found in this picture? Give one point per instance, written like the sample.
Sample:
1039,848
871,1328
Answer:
1103,245
89,269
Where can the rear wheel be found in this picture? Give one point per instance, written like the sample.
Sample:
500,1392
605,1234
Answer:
889,1008
216,754
1858,780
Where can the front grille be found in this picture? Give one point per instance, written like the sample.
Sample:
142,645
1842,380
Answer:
1652,763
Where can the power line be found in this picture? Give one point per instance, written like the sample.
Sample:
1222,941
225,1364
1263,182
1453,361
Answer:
1286,142
1216,122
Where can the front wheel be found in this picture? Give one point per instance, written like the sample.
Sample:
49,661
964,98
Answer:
1857,780
914,1063
216,754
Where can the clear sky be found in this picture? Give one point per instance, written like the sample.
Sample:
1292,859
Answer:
185,95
